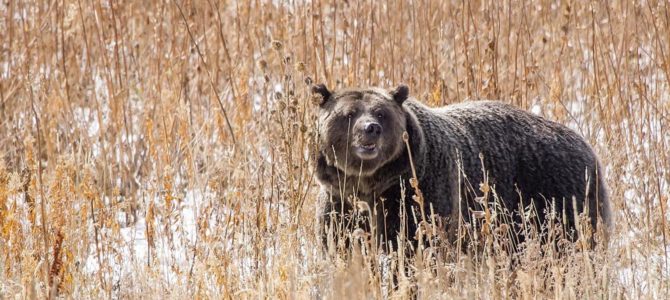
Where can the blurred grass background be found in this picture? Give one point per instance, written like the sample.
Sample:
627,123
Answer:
161,148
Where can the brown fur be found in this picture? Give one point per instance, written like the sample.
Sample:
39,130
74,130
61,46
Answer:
528,161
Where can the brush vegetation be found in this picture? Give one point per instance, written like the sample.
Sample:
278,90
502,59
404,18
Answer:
161,148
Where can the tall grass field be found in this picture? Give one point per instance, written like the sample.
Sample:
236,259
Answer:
161,149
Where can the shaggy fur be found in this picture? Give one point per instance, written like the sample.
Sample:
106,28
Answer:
527,159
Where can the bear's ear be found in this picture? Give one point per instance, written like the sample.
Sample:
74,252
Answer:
322,90
400,94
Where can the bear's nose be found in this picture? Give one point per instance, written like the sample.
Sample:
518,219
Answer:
372,128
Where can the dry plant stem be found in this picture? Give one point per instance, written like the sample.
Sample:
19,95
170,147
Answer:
415,183
116,98
38,161
43,211
209,75
229,60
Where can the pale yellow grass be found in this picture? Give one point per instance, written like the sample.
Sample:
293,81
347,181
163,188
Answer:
160,148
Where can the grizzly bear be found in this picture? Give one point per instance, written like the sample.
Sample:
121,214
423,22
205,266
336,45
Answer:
466,157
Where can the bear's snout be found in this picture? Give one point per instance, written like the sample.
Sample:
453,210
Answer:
372,129
368,139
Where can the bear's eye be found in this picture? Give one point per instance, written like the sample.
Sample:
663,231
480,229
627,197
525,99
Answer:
380,115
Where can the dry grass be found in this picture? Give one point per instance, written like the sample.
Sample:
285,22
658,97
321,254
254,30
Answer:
160,148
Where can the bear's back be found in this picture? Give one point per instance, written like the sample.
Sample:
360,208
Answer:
524,156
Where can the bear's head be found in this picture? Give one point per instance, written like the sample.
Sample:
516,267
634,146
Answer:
360,130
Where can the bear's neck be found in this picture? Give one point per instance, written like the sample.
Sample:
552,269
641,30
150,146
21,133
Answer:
393,172
387,176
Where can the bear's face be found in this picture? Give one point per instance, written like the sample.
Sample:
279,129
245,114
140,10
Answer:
361,130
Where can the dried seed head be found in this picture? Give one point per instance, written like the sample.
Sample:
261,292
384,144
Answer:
262,64
300,67
484,187
277,45
281,105
478,214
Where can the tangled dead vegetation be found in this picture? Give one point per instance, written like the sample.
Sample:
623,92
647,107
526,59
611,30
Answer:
161,148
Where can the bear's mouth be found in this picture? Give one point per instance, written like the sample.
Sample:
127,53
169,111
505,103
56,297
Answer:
369,147
367,151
